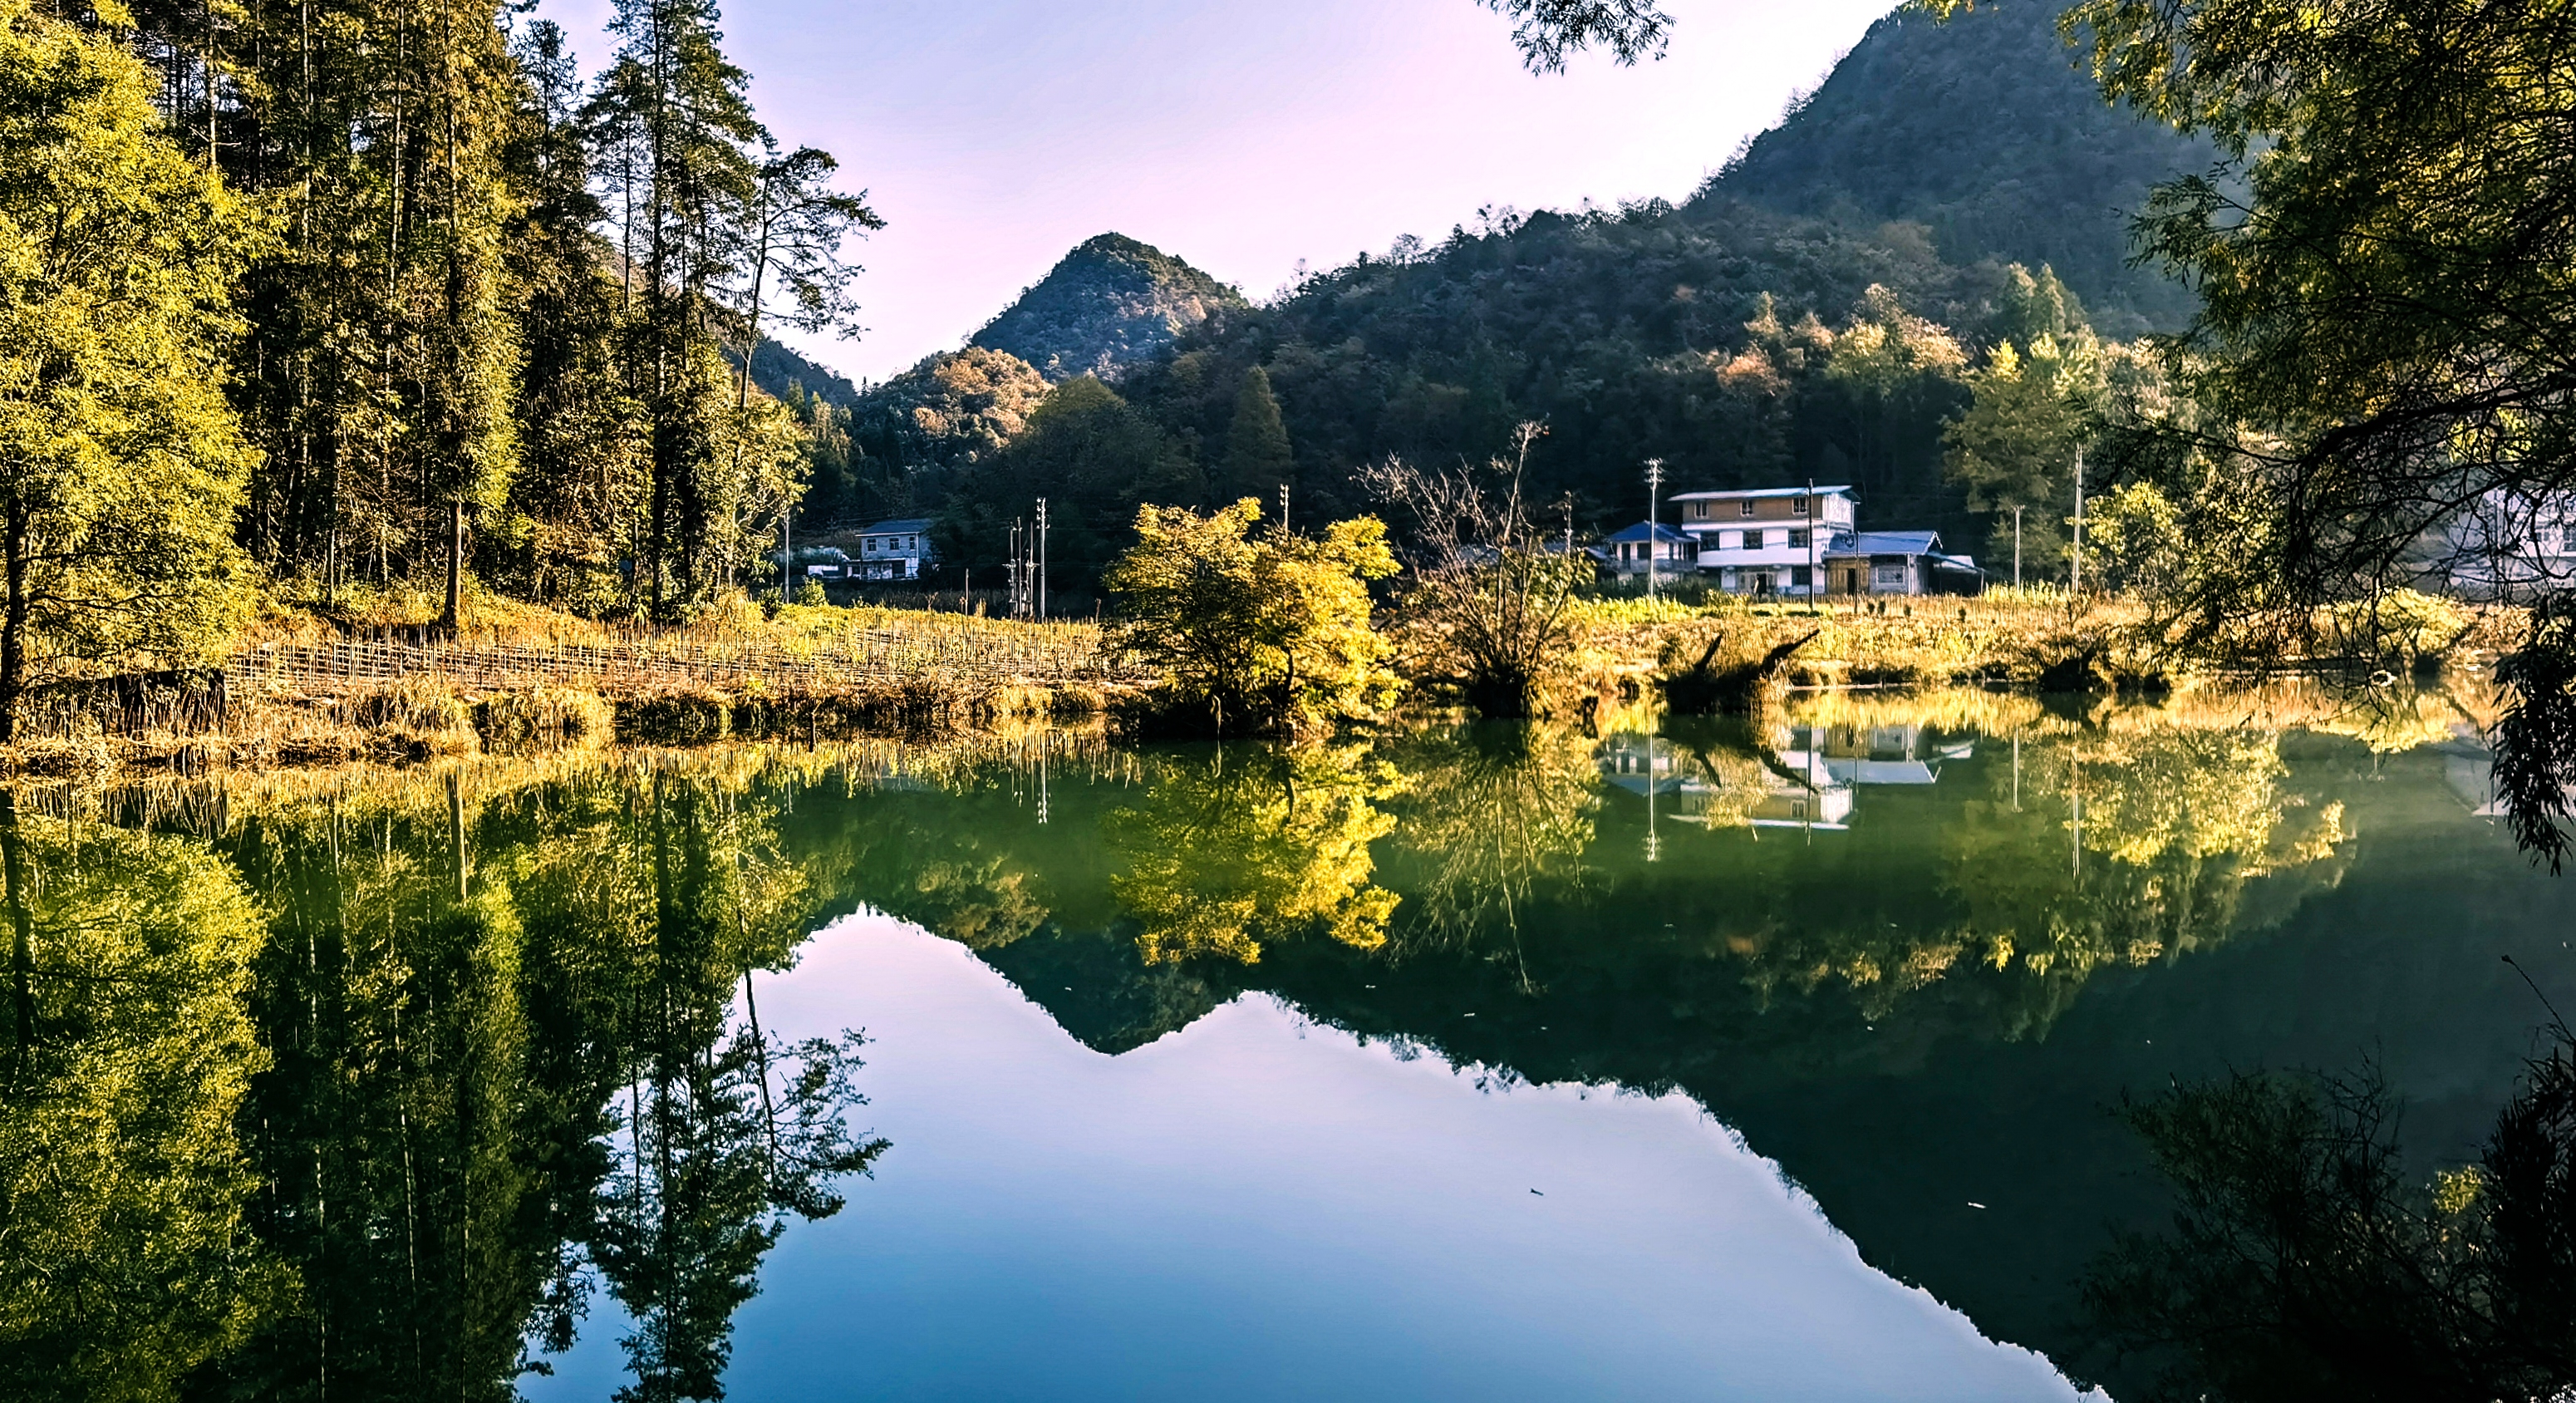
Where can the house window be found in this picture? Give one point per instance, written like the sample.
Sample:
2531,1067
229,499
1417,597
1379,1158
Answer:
1797,540
1747,505
1797,506
1753,540
1888,575
1798,577
2567,539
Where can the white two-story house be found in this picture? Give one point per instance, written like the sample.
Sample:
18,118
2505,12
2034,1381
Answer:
895,550
1766,540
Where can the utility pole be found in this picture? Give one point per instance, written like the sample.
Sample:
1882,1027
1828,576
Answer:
1042,558
2016,553
1654,840
1014,568
1283,506
1813,515
2075,576
1654,481
787,554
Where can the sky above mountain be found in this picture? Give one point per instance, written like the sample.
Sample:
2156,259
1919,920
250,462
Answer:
1241,135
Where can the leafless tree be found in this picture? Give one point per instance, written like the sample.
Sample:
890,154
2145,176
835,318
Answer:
1487,593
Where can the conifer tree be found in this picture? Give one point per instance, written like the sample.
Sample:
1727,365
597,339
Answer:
575,506
677,113
1257,457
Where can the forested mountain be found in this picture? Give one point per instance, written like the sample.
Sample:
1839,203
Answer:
1986,129
1741,346
782,373
1107,306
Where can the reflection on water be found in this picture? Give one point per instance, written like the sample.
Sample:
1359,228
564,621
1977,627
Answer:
346,1088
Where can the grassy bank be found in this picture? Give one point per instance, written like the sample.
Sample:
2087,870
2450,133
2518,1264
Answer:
2031,641
369,682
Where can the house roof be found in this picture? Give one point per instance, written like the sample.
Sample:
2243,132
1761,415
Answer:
1742,493
1885,543
1662,533
907,525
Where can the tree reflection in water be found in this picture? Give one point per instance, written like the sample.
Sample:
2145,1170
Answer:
510,1054
124,1263
1227,851
2303,1261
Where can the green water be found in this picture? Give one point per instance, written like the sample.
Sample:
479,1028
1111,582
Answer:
389,1089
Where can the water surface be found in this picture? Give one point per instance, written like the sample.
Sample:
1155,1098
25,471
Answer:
1473,1063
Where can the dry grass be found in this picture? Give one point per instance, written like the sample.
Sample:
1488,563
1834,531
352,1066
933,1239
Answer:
370,682
1622,645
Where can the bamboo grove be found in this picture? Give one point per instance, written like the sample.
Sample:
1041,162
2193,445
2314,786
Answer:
500,328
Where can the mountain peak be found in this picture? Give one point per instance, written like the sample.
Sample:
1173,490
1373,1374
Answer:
1107,305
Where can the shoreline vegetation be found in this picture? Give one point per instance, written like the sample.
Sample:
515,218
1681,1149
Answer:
305,689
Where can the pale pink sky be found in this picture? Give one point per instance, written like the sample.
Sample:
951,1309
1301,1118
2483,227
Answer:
1241,135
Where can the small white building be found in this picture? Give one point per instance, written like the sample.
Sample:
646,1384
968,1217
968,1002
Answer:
2505,545
895,550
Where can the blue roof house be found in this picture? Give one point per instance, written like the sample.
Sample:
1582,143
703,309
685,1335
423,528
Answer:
1669,551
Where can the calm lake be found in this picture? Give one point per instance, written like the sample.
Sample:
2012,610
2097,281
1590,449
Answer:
1471,1063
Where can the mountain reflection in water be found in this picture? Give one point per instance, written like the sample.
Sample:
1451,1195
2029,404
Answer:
340,1087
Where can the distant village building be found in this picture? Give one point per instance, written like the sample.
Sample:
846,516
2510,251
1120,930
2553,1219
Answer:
1799,542
1898,562
895,550
1671,552
1765,540
2504,546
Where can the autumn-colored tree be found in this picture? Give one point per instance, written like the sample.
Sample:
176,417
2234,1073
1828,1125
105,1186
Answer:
1255,635
121,464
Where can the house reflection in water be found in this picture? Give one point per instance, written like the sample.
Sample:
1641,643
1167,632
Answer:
1808,778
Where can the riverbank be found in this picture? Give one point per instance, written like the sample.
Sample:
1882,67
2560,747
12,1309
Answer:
307,688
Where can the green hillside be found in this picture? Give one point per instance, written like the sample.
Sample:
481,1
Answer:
1985,129
1107,306
1739,345
1810,314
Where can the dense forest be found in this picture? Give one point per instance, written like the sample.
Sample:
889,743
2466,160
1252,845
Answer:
1985,129
478,316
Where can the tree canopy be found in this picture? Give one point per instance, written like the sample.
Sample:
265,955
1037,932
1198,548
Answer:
121,462
1255,634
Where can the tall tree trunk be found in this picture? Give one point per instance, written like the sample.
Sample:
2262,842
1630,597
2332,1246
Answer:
22,945
455,563
13,627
